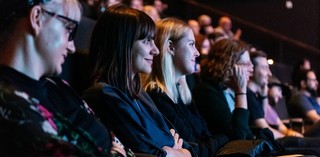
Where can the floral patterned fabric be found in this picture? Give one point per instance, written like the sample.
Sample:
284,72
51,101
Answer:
28,129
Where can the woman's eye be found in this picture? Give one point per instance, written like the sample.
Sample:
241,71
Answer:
147,41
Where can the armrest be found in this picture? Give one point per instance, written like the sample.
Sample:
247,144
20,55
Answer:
297,124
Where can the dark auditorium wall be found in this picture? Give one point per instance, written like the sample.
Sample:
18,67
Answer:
301,23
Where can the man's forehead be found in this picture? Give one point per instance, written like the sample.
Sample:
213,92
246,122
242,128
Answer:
261,61
311,74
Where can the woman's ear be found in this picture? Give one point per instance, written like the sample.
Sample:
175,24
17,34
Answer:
171,48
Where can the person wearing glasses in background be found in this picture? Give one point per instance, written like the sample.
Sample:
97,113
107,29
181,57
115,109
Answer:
40,115
221,97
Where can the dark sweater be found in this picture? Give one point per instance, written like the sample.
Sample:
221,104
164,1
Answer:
189,124
213,106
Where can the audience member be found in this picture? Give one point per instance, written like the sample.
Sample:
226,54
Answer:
205,24
215,37
168,88
161,7
203,46
221,97
304,104
135,4
152,12
41,115
258,90
89,9
271,116
258,100
224,27
195,27
122,48
303,64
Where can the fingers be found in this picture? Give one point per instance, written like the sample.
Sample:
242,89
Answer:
172,132
116,147
241,77
178,142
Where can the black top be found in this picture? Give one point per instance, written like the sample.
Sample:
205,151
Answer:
254,106
136,121
213,106
59,99
189,123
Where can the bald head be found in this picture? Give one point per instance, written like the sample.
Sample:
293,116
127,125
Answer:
225,23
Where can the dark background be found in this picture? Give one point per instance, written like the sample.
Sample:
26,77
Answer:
286,35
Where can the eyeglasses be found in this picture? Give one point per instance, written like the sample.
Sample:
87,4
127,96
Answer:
70,25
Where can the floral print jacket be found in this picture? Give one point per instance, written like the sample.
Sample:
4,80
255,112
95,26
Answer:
28,129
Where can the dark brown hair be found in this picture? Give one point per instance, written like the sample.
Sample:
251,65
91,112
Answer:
111,46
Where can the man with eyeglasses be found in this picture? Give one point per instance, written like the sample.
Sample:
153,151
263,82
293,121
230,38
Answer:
304,103
40,115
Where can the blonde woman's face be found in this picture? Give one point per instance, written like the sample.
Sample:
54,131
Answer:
185,54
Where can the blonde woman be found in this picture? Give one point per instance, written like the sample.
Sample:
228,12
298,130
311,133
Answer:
168,88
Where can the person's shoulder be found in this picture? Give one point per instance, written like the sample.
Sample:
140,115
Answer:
18,108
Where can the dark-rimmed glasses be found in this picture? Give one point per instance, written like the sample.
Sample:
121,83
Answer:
70,25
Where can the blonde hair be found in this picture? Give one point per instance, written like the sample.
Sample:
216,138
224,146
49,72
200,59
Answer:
163,73
71,8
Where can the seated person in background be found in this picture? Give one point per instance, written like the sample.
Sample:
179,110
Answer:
168,88
122,47
224,27
135,4
303,64
42,115
257,99
161,7
195,27
221,97
205,24
215,37
304,103
152,12
271,116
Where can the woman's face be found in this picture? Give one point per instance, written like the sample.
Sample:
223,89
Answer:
185,54
143,52
246,63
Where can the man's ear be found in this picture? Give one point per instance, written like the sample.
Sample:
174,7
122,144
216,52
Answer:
35,19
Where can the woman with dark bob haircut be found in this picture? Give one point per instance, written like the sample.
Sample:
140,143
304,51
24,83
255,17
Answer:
122,47
221,97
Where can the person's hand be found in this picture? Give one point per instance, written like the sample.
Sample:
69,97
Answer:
293,133
176,150
263,92
118,147
171,152
240,78
177,141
